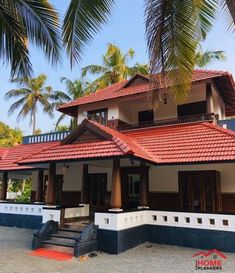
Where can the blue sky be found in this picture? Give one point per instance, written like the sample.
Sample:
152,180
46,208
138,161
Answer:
125,29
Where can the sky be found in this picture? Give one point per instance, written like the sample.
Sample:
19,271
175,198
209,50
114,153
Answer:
126,29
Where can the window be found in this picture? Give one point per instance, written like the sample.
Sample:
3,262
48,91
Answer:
200,191
146,116
190,109
99,116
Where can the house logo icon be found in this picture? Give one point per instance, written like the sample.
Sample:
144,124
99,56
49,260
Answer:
209,260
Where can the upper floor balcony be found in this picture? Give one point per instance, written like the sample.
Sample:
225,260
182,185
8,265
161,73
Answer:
209,117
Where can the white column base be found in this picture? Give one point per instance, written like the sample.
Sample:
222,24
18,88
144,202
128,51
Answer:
115,210
142,207
85,211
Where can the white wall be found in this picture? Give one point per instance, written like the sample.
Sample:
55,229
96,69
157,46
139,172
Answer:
73,175
165,178
112,109
218,103
126,109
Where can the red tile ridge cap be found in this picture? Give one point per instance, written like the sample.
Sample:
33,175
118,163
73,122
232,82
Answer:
118,137
5,151
219,128
122,145
223,72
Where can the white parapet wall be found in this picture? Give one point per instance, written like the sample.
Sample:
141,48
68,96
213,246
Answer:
126,220
51,213
21,209
81,211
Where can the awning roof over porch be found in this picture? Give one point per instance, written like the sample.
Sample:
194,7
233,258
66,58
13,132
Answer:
90,140
178,144
9,156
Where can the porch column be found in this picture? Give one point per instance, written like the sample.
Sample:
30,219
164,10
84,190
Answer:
209,99
85,186
39,190
51,186
144,202
3,193
116,197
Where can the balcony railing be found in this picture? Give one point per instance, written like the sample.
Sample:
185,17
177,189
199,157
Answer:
164,122
49,137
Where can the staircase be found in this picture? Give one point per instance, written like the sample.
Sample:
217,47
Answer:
77,240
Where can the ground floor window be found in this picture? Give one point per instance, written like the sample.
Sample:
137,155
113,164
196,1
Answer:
200,191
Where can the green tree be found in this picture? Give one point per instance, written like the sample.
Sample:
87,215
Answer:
114,67
174,30
74,90
9,137
62,128
203,58
26,190
32,93
23,22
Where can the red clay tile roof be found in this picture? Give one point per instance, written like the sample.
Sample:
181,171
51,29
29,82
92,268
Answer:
9,156
184,143
117,145
222,79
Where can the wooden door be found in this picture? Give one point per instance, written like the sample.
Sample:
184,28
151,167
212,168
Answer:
200,191
98,191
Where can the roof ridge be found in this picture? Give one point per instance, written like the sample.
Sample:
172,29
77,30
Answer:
122,83
212,71
117,136
5,151
123,146
219,128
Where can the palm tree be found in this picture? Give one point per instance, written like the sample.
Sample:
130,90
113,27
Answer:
23,22
114,67
9,137
75,89
32,93
174,30
202,59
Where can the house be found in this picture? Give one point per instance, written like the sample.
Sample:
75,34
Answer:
144,172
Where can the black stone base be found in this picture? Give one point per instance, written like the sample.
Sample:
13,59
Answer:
20,221
84,248
190,237
115,242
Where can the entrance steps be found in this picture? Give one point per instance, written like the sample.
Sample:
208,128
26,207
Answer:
76,240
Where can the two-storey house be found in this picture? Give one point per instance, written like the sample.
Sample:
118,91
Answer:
142,166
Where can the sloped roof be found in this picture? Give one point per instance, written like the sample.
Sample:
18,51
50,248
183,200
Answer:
187,143
223,80
111,144
184,143
9,156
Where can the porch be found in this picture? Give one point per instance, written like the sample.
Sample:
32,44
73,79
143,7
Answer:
114,194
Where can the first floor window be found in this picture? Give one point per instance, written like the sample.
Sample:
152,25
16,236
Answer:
145,116
190,109
100,116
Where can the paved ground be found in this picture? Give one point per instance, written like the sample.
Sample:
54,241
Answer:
147,258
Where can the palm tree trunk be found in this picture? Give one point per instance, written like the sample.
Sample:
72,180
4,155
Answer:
34,121
231,7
